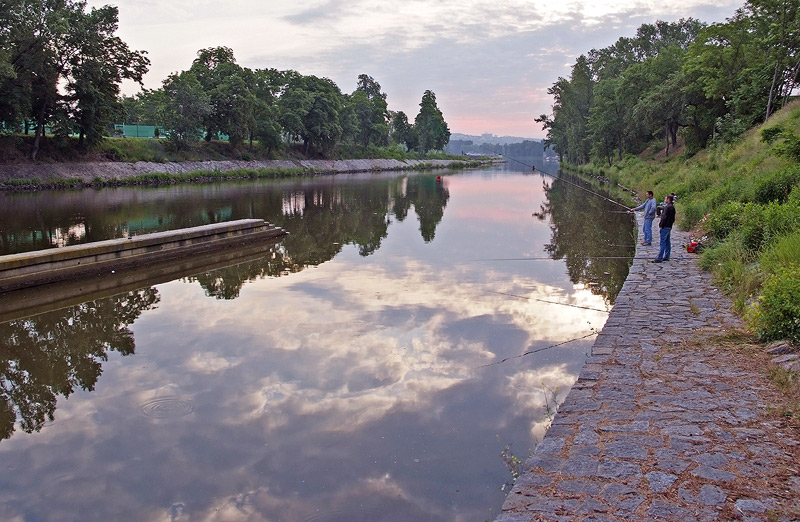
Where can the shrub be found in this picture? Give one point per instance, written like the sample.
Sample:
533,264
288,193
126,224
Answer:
693,213
776,313
725,219
776,186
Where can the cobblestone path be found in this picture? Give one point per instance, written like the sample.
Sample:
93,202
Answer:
662,424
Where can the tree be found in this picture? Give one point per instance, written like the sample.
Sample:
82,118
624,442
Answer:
431,129
95,72
186,108
265,85
371,112
403,132
222,81
56,58
310,111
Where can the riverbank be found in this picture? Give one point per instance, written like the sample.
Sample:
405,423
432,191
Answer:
673,416
88,173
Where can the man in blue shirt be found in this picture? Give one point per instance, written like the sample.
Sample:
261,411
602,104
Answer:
649,207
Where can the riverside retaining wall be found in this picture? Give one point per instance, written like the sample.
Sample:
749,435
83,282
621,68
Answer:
90,171
669,419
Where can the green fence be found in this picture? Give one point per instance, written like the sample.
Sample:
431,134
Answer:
138,131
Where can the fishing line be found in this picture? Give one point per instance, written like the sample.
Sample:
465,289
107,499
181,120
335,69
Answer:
537,350
549,258
556,177
549,302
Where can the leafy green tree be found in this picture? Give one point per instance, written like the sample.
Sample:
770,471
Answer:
371,112
57,59
265,85
431,129
95,72
310,112
403,132
187,107
222,80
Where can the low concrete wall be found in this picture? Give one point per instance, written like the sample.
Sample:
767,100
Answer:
44,266
90,171
35,300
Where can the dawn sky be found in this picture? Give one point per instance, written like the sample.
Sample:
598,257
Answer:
489,63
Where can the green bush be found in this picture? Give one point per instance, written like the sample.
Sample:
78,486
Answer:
762,225
776,313
776,186
725,219
693,213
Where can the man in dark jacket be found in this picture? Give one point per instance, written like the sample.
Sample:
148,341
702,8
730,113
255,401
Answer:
665,224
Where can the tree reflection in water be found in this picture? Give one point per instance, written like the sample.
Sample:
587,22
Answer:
589,232
48,355
322,220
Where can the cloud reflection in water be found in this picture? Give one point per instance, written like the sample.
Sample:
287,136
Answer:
358,390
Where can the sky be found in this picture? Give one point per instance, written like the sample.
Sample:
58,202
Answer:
489,63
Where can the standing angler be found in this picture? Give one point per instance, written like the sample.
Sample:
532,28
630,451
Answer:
665,224
649,207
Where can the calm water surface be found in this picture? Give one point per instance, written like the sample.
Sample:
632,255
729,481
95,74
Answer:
369,367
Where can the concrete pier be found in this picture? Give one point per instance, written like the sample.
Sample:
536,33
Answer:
31,269
669,419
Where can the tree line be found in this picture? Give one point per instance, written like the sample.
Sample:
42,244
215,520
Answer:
703,83
522,149
61,67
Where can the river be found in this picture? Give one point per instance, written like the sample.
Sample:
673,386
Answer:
392,359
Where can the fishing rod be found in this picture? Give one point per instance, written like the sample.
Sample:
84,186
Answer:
594,332
551,259
557,177
549,302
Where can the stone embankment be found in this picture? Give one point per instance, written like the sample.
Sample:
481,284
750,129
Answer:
90,171
672,417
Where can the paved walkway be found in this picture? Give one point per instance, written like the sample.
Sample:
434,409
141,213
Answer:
663,423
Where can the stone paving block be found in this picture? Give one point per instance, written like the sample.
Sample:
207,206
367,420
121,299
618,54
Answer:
579,486
575,450
713,474
617,469
580,466
715,460
664,510
659,482
632,427
533,480
586,435
547,463
594,508
751,505
549,446
626,450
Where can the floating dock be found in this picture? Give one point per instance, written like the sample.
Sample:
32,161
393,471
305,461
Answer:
30,269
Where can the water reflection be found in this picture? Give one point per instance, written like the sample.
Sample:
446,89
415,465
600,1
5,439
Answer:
322,214
590,233
49,355
359,389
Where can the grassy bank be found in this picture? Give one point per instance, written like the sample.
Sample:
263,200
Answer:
198,176
18,148
743,200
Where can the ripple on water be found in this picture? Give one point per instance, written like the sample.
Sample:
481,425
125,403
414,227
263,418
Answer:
355,514
167,408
